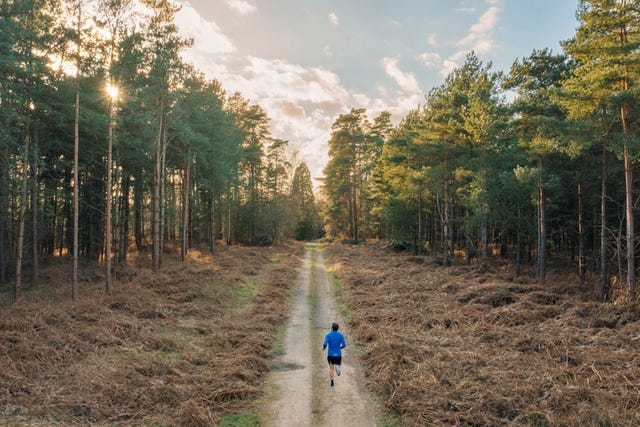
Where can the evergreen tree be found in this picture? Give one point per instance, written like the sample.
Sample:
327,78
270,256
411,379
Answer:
606,48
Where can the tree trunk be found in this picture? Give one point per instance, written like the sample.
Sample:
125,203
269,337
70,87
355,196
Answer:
356,234
123,242
156,193
138,190
628,174
228,215
518,241
76,167
108,202
17,290
212,219
163,188
4,210
420,221
35,246
603,229
185,208
581,237
542,232
445,225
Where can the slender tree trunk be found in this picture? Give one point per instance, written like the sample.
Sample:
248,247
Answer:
581,237
467,239
35,245
137,212
445,225
17,290
603,229
628,174
185,208
542,233
4,210
519,241
76,167
354,205
420,220
156,192
212,219
483,206
108,237
123,242
163,189
228,215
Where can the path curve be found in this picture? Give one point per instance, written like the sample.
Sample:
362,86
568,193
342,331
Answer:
300,380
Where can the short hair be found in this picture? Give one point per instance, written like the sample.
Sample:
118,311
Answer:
334,326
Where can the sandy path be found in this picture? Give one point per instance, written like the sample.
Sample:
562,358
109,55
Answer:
300,382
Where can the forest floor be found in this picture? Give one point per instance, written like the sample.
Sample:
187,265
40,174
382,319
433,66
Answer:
206,342
189,345
457,346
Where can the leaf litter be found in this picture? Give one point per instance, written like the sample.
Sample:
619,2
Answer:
456,346
174,347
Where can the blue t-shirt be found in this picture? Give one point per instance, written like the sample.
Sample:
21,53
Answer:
335,341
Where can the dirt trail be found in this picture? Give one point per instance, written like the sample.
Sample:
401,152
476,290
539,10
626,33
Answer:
300,382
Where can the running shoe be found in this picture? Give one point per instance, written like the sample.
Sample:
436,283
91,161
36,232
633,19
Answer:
338,370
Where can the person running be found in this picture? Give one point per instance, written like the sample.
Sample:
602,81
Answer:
335,341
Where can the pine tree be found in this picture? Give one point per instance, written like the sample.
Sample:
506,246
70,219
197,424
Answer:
606,48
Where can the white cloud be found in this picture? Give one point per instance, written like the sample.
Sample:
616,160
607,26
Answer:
333,18
207,36
303,102
479,36
431,59
432,40
241,6
478,39
406,81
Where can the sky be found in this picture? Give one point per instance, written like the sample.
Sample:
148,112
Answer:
307,61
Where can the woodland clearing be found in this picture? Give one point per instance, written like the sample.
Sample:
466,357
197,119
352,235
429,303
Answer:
455,346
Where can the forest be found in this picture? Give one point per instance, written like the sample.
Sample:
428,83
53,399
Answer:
535,167
110,141
481,249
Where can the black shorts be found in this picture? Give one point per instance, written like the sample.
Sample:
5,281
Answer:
334,360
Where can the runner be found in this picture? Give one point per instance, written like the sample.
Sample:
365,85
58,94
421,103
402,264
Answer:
335,341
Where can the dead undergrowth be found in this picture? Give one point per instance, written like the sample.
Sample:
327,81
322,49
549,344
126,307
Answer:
182,346
453,346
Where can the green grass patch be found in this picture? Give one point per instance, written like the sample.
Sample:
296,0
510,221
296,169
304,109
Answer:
247,419
244,291
338,291
278,341
390,422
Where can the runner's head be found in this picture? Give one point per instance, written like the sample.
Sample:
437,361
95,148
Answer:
334,326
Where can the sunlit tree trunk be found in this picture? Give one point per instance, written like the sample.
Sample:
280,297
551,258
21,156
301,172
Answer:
17,290
76,148
108,202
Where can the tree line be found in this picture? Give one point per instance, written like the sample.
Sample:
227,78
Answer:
110,141
534,164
